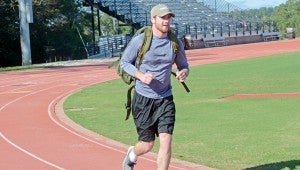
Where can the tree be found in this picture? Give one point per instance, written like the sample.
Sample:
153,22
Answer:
54,27
288,15
9,34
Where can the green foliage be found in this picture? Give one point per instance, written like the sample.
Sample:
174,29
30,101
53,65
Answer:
54,26
53,34
288,16
125,29
111,26
9,33
258,15
284,16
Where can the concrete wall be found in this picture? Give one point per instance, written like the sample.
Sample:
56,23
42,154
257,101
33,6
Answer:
198,43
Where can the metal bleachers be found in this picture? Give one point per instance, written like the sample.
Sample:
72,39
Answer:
107,46
197,18
188,12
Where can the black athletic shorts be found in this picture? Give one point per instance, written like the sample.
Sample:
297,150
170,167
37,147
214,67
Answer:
153,116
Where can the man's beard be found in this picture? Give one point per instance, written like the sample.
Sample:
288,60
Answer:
164,29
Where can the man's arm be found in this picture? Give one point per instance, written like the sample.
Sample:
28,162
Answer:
182,64
129,56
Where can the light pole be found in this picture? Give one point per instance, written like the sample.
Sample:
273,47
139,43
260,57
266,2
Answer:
26,17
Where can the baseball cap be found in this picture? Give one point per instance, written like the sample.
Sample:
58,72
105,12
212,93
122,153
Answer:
161,10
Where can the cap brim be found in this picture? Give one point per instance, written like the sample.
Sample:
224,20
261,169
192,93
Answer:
164,14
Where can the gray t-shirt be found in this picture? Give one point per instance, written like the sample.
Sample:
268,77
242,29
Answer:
157,61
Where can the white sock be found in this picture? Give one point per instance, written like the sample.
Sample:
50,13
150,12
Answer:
132,156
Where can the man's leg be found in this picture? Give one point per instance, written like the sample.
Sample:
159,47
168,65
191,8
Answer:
133,152
141,147
165,151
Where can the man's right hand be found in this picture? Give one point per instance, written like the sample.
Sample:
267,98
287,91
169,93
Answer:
145,78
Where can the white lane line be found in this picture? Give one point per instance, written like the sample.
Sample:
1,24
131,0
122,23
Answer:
29,153
20,148
54,102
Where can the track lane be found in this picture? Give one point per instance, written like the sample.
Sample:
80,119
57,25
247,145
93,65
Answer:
13,159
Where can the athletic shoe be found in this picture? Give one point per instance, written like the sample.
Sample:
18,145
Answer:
127,164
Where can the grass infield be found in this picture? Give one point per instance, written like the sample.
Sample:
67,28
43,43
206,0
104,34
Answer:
252,133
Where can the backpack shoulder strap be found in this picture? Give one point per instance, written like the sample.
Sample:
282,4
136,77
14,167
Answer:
146,43
174,41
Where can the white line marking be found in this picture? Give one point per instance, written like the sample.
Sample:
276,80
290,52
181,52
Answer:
18,147
29,153
83,137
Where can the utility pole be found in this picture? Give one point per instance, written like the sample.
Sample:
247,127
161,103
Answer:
26,17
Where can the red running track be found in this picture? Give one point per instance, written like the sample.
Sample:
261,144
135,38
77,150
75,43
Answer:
35,134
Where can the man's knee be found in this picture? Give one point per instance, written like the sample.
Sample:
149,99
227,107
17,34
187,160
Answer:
165,137
147,146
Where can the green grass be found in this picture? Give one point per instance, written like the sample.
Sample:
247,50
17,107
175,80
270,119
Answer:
223,134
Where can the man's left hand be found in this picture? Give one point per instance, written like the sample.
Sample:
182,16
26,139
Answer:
182,75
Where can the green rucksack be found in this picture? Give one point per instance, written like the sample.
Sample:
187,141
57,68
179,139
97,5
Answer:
128,79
